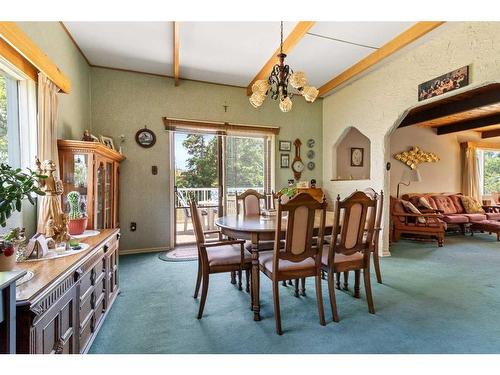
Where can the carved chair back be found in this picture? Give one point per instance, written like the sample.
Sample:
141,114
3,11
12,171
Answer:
377,212
349,233
250,200
197,222
299,232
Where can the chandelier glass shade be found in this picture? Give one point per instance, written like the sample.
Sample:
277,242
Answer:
283,83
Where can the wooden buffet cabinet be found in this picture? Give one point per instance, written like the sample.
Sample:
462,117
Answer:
93,170
61,309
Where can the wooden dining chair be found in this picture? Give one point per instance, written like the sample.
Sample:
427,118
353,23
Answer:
216,257
351,243
374,246
300,257
250,201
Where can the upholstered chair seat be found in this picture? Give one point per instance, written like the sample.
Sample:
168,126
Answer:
342,260
226,255
266,261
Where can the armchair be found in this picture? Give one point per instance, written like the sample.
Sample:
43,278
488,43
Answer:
404,222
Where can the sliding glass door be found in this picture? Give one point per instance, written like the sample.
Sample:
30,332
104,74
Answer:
214,168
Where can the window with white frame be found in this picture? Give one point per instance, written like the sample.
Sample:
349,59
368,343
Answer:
489,166
17,128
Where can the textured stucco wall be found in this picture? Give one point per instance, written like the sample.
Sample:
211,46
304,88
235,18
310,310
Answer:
375,102
74,108
124,102
447,147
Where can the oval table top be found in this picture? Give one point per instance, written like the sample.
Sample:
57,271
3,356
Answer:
262,224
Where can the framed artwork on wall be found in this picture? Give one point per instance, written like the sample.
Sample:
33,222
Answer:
285,161
443,84
285,145
357,156
145,138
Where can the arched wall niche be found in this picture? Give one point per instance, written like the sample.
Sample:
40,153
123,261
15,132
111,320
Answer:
352,153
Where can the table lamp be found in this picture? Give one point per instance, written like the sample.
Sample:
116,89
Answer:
412,175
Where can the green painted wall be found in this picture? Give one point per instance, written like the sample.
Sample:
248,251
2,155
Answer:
124,102
74,108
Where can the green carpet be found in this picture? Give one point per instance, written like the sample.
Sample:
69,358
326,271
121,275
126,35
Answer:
433,300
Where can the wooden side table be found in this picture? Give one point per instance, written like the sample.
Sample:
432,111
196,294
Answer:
8,310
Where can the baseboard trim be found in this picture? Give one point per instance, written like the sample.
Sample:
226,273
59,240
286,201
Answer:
144,250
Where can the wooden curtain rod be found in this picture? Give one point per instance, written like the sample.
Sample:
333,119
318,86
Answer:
34,57
482,145
214,126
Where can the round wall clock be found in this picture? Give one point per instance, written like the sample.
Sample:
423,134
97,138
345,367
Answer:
311,165
145,138
310,143
310,154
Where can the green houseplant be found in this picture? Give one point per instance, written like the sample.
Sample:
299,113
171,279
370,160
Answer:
15,186
77,218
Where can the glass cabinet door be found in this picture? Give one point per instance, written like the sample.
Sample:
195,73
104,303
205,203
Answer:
75,178
108,195
99,204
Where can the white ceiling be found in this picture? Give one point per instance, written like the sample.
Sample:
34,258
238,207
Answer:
229,52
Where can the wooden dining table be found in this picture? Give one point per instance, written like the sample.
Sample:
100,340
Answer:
256,228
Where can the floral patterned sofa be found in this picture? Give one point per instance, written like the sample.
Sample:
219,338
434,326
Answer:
450,206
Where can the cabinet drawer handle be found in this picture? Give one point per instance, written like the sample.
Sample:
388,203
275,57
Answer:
92,301
92,276
118,236
106,248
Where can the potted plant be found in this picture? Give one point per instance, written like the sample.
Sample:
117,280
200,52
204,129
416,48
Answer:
15,186
77,218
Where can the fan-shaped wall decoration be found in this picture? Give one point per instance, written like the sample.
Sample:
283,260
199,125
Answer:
413,157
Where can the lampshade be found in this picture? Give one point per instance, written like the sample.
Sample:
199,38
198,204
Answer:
412,175
260,86
286,104
256,99
298,79
310,93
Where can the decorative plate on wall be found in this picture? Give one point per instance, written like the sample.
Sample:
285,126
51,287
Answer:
310,154
145,137
310,143
311,165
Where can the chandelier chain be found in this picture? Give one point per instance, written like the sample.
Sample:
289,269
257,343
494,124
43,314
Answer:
281,44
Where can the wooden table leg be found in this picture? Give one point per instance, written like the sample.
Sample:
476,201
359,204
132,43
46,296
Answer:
255,277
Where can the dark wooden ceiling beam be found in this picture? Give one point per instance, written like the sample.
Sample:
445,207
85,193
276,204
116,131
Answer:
469,124
490,133
466,101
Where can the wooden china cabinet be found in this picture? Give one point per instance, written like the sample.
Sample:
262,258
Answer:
93,170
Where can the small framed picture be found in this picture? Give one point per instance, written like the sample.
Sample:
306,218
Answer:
285,146
284,161
357,156
108,142
145,138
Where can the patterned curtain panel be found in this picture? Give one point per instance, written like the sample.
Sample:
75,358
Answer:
47,136
470,174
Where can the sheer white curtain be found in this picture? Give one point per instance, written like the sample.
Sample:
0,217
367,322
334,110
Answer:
470,173
47,134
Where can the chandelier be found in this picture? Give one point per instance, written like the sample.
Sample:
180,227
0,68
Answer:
277,85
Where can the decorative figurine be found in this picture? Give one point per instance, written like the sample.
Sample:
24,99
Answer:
50,203
87,136
50,232
53,223
62,235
